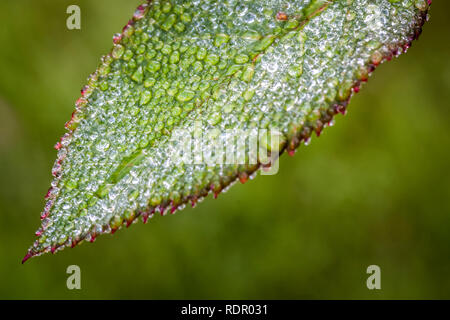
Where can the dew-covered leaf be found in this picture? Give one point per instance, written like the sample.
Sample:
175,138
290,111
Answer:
188,75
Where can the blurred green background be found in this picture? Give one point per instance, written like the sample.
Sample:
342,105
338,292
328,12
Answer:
374,189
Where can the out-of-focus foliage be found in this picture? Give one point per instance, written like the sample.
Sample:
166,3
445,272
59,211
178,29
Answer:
372,190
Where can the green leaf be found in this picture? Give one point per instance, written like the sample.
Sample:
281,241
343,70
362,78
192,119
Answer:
187,75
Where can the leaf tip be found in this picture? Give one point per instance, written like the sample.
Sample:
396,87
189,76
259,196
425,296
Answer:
27,256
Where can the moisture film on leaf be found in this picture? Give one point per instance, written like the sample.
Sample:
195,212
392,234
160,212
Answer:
187,75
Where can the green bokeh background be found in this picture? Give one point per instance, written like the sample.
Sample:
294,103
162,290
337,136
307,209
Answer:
374,189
